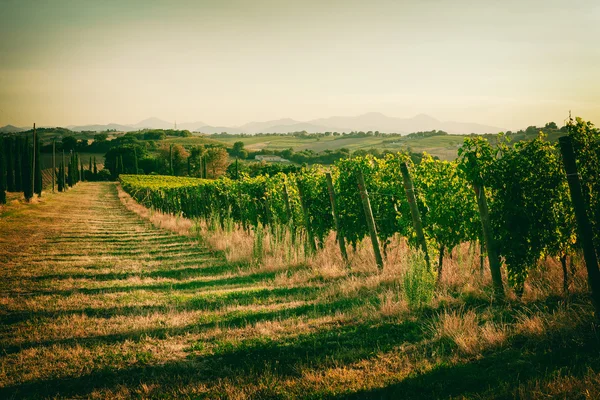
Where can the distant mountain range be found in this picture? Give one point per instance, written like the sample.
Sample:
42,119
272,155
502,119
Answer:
11,129
365,122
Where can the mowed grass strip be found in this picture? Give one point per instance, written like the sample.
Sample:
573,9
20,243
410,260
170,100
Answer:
96,302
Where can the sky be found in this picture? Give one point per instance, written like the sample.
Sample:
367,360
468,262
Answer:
505,63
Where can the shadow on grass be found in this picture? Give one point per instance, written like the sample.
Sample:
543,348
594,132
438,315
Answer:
207,302
495,374
340,344
202,267
499,373
232,319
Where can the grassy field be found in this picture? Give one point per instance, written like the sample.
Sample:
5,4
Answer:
445,147
101,298
191,141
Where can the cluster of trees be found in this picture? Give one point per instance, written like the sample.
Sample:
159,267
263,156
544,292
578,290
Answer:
68,175
237,170
159,134
133,156
425,134
20,166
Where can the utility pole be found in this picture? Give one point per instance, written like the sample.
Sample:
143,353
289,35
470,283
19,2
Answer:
33,166
53,162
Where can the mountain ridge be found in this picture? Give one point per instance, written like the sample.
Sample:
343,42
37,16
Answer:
371,121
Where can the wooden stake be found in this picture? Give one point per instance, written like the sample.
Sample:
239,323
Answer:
311,237
488,238
584,228
332,199
369,217
414,212
268,212
288,208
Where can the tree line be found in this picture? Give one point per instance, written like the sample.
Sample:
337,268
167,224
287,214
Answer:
20,166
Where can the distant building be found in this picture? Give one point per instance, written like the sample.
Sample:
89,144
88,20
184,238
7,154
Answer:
271,159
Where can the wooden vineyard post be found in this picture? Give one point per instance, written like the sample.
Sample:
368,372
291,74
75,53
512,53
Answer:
288,209
364,196
584,228
311,238
53,162
33,166
414,212
332,199
269,213
488,238
288,212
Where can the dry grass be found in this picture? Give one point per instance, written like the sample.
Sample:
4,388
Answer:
465,330
102,298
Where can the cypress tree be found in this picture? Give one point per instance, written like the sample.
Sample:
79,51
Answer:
26,170
135,161
76,168
116,173
2,172
90,177
60,181
64,173
95,168
37,182
171,160
10,164
82,178
18,147
70,171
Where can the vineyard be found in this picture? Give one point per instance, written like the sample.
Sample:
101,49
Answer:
372,278
524,187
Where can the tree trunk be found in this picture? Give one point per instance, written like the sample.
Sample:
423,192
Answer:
440,264
563,262
490,244
585,233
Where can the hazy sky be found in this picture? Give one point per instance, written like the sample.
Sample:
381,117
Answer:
226,62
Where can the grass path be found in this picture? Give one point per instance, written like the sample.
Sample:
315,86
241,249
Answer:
96,302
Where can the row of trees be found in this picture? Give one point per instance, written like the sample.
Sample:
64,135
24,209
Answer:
20,166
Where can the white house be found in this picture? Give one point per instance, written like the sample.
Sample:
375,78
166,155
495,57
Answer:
271,159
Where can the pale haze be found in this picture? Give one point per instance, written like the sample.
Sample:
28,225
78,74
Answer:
502,63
